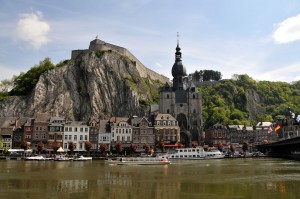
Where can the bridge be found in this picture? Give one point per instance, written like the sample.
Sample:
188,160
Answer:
288,148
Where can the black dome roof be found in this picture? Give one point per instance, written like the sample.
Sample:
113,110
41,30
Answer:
178,68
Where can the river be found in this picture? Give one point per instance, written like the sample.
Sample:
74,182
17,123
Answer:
218,179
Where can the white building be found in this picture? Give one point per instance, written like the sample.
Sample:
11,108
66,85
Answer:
121,130
76,132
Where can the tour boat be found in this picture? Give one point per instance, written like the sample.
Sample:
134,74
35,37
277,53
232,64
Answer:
138,161
194,154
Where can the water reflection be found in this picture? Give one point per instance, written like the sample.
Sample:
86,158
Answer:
233,178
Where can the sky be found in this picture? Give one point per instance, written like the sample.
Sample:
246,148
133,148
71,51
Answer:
253,37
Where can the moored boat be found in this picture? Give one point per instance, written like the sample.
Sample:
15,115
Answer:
62,158
194,154
82,158
38,158
138,161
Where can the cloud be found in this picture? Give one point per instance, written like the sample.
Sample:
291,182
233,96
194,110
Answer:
32,29
288,30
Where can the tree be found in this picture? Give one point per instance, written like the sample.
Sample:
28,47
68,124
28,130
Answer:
5,85
55,146
133,148
25,82
119,147
103,148
24,145
88,146
245,146
40,146
71,147
146,148
161,145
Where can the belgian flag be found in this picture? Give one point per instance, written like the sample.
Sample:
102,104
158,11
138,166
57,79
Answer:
277,127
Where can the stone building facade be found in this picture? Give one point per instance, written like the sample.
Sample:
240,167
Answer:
184,103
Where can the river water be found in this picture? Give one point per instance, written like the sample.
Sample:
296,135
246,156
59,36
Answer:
225,178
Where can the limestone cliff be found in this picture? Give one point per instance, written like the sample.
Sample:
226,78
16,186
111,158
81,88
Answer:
96,83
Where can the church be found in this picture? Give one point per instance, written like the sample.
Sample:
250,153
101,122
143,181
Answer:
183,102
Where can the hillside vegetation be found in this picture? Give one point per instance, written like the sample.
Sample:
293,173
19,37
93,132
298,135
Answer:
244,101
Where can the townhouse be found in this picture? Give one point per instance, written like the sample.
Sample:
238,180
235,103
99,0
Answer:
77,133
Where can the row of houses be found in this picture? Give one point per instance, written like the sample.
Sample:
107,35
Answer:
55,131
264,132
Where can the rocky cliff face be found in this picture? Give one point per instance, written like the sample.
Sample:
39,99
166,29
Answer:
95,84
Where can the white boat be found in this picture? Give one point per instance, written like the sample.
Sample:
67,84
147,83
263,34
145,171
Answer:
138,161
38,158
194,154
82,158
62,158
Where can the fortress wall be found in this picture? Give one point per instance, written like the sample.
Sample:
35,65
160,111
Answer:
144,71
76,53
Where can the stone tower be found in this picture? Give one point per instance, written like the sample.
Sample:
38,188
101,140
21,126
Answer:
184,102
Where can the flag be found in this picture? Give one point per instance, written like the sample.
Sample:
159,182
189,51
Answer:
270,130
277,127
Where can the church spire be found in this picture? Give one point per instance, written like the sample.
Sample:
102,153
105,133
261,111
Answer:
178,53
178,70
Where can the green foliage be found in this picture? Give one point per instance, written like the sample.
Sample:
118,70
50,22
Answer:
206,75
227,104
25,82
3,95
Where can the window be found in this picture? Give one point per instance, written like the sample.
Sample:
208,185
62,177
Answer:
66,128
36,136
66,137
65,145
85,137
75,137
70,137
75,129
28,136
43,135
81,129
81,137
70,128
86,129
